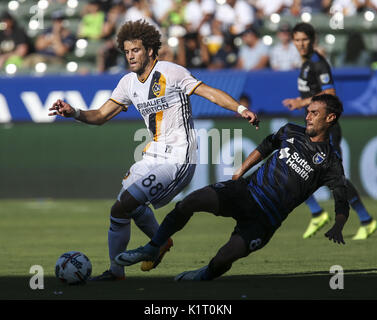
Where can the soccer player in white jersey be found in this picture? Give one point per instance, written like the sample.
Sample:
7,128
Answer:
160,91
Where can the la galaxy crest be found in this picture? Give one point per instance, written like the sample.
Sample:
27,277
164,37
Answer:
319,157
156,89
158,86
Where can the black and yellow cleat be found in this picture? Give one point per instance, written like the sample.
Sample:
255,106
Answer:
149,265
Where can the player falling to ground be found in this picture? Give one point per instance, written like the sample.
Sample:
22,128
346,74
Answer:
160,91
316,78
304,161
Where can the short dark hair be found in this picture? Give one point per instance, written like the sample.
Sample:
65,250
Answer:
306,28
332,103
140,30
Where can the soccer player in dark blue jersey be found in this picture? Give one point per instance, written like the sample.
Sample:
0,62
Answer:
316,78
304,161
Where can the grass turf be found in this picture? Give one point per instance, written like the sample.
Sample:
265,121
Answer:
38,231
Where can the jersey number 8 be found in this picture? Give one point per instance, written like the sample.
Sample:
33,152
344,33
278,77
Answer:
147,182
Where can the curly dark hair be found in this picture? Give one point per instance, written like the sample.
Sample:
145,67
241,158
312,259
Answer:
140,30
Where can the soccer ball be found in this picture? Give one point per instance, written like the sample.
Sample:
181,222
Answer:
73,267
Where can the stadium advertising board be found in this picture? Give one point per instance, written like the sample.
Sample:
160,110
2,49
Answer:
28,98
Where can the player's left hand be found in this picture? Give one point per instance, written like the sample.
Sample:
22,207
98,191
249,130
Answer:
251,117
335,233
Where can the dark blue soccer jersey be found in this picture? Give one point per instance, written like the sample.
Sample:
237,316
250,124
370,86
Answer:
296,170
315,76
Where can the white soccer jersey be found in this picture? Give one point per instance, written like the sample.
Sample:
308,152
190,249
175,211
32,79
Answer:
163,101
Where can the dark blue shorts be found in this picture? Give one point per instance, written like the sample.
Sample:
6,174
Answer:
236,201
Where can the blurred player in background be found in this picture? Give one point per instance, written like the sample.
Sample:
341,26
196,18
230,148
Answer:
160,91
316,78
304,160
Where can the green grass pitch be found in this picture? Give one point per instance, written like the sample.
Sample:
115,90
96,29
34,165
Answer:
37,232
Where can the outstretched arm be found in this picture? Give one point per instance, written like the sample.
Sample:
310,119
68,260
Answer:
341,210
254,158
106,112
298,103
224,100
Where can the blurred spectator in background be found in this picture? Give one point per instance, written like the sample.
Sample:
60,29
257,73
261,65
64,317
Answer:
176,14
371,4
266,8
347,7
215,40
93,19
355,53
192,53
235,16
284,55
139,10
312,6
113,20
14,43
253,54
108,55
198,16
52,45
227,56
160,9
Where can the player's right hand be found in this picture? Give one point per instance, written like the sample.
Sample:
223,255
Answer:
251,117
62,109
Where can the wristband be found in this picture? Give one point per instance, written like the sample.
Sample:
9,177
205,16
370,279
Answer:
76,112
241,109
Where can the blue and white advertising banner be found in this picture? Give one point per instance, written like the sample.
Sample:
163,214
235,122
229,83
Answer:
27,98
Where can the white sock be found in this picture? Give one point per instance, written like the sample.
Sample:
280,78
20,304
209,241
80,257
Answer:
118,237
145,220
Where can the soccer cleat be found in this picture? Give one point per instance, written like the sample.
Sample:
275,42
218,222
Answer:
130,257
194,275
316,224
107,276
365,231
149,265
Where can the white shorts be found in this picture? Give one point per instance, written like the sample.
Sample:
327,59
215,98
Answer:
156,183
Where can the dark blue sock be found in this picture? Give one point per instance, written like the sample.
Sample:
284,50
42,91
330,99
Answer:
172,223
358,206
313,205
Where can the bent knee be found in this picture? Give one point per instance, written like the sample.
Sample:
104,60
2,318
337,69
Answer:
124,207
204,199
117,211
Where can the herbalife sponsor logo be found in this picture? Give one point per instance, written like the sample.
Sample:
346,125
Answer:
298,164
